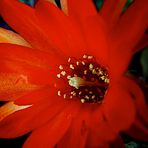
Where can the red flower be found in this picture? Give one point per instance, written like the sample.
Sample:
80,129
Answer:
68,85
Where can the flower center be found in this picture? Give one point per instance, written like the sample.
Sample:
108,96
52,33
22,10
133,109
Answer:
85,79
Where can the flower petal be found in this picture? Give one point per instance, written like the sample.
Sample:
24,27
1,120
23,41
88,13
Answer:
139,128
7,36
138,97
142,44
27,26
111,11
64,6
24,121
76,135
139,131
95,34
118,108
76,6
122,46
100,131
9,108
54,130
93,27
13,86
27,55
32,63
137,21
62,32
34,96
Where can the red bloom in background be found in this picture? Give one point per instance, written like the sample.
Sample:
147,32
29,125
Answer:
66,81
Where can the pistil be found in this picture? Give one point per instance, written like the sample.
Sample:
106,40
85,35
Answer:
77,82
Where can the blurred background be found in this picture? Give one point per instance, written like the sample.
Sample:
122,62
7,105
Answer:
138,68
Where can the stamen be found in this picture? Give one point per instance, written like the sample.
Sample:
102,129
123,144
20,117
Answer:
64,96
60,67
91,66
93,96
75,75
86,97
85,72
106,80
84,56
80,92
58,75
86,79
90,57
77,63
59,93
71,66
69,59
63,73
68,77
82,100
94,72
83,62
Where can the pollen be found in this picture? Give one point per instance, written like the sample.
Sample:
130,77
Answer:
85,72
83,62
91,66
60,67
64,96
59,93
90,57
63,73
84,56
58,75
77,63
84,79
71,66
69,59
82,100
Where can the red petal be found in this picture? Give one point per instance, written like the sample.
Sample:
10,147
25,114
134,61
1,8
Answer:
7,36
27,55
34,96
100,132
33,74
77,134
27,26
13,86
118,108
142,44
138,98
139,130
51,133
80,11
126,35
23,121
137,22
118,63
96,38
112,10
62,31
29,62
9,108
92,27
